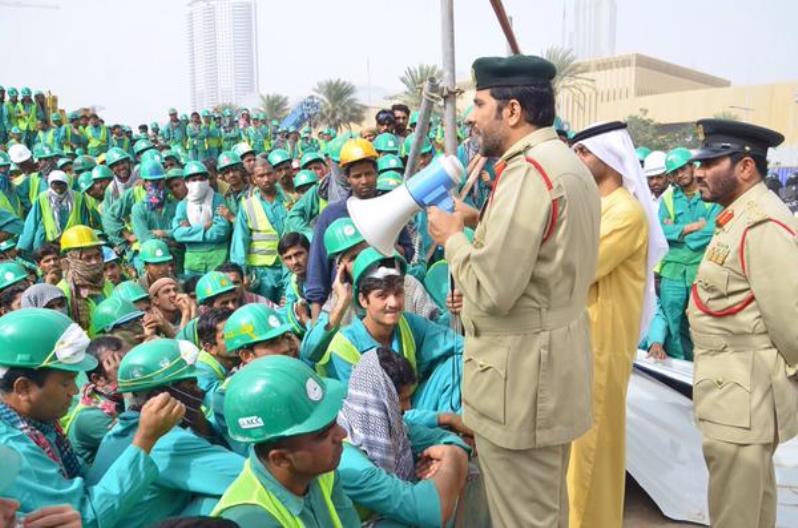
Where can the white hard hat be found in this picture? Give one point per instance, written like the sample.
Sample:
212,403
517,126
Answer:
19,153
57,176
654,164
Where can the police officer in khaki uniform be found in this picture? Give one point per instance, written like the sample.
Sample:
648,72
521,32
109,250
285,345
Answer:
744,324
525,281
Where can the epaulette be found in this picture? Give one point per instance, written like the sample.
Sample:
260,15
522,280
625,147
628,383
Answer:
754,214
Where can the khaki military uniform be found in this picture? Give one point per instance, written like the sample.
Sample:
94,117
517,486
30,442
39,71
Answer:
744,323
527,361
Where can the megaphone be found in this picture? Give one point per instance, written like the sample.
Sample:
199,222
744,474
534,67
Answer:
381,219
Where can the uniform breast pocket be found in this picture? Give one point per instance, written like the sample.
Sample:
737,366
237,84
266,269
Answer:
485,376
722,388
713,279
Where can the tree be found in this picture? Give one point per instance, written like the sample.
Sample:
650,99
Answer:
413,80
647,132
727,115
233,108
339,106
570,78
275,106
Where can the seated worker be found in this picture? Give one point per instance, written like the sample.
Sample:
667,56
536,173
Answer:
49,264
282,407
198,223
434,351
382,451
242,283
177,308
89,421
193,472
14,280
293,249
214,362
44,296
214,290
157,262
114,273
133,292
116,316
41,353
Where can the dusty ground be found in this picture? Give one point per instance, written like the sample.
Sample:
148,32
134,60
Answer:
641,512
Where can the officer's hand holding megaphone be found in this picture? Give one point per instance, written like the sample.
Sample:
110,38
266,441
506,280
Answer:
442,225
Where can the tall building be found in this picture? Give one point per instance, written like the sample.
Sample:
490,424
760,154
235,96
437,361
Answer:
223,51
592,28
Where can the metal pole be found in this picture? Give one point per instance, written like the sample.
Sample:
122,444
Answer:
507,27
448,88
422,125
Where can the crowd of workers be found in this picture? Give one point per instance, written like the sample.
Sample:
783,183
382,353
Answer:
172,297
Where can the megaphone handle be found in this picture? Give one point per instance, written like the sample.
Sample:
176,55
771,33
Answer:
447,204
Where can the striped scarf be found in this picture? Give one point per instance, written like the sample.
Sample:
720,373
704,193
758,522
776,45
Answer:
63,455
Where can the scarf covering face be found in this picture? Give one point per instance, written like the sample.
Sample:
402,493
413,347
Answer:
199,202
92,396
84,281
62,453
59,201
156,196
615,148
372,418
38,295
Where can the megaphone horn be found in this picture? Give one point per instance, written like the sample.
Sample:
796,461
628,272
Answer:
381,219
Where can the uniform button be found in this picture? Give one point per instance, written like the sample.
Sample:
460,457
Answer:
481,364
719,382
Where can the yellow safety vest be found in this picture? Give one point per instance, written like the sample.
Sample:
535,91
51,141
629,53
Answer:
213,141
210,362
51,230
6,205
69,420
322,204
264,237
667,201
246,489
96,142
343,348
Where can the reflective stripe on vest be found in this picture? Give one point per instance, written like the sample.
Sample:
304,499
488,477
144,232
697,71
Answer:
246,489
322,205
264,238
95,142
342,347
667,200
68,420
51,230
210,362
6,205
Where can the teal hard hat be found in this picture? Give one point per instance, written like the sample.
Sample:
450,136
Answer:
310,157
305,177
8,244
250,324
677,158
5,160
212,284
101,172
279,397
227,159
426,147
41,151
157,364
243,149
413,118
131,291
84,163
85,181
169,153
55,117
642,152
275,122
151,155
151,170
204,113
183,117
11,273
370,258
62,162
389,180
172,111
12,91
115,155
155,251
42,338
141,146
194,168
174,173
278,157
389,162
386,142
25,92
340,236
112,312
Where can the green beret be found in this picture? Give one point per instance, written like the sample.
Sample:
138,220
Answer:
517,70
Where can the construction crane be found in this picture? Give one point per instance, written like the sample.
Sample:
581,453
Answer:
28,5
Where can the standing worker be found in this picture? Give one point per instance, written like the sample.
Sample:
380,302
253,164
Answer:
529,397
742,319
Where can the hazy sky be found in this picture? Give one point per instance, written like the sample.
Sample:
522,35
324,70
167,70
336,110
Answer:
129,56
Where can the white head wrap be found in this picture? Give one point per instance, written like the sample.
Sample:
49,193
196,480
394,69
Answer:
615,148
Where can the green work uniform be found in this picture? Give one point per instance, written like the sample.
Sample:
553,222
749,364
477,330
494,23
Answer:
41,225
206,249
302,216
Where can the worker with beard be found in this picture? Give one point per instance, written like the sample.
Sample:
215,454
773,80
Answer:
194,471
302,216
359,162
120,163
688,223
232,170
256,235
176,307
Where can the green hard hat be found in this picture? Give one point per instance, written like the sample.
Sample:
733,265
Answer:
275,122
334,146
677,158
183,117
25,92
41,151
11,273
155,251
642,152
156,364
310,157
250,324
226,159
142,145
56,117
386,142
212,284
389,180
291,320
131,291
175,172
8,244
151,170
62,162
12,91
278,397
389,162
101,172
5,160
193,168
369,258
151,155
278,157
413,118
169,153
204,113
85,181
115,155
340,236
426,147
40,337
84,163
305,177
112,312
243,149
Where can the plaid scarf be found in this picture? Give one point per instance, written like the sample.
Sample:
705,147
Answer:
90,396
63,455
156,196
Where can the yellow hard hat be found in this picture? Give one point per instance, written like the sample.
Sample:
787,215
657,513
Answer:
101,159
357,149
79,237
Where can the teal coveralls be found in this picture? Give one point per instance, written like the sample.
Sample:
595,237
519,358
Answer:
205,249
